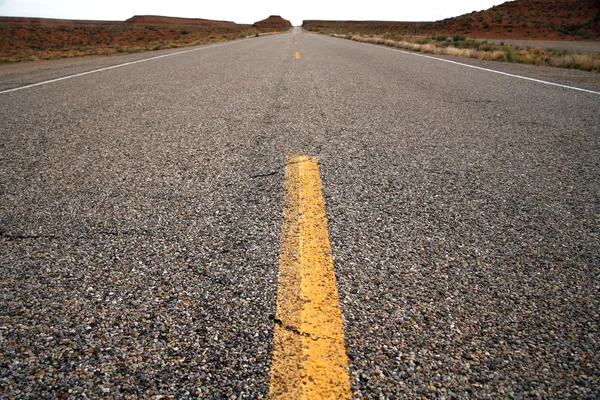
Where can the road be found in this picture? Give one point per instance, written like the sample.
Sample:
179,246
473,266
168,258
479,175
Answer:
141,211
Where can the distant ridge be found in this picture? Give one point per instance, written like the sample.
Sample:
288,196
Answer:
518,19
157,20
31,39
10,22
272,22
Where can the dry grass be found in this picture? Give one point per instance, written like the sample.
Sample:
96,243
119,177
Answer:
586,62
46,43
483,51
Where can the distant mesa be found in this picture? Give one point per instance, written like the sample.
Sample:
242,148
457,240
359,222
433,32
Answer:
137,21
15,22
156,20
273,22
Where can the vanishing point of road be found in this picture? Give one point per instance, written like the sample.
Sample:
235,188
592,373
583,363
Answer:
297,216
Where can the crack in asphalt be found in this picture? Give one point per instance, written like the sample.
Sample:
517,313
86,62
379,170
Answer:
16,237
266,174
25,237
299,332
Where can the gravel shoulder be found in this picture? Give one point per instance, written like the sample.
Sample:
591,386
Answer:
583,79
570,77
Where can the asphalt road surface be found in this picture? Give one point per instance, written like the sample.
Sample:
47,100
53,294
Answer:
141,207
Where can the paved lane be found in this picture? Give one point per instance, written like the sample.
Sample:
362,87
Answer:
141,212
462,214
140,243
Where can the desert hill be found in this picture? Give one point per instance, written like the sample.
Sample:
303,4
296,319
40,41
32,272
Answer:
519,19
29,39
539,19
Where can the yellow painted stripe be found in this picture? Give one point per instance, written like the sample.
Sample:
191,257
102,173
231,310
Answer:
297,55
309,354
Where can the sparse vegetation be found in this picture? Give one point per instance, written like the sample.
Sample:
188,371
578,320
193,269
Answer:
44,43
483,50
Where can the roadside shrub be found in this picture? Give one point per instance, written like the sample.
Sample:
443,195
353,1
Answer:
509,54
458,38
586,62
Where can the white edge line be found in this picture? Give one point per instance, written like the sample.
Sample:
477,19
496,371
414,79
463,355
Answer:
115,66
480,68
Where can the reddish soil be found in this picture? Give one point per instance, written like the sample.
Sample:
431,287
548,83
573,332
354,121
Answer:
519,19
24,39
273,22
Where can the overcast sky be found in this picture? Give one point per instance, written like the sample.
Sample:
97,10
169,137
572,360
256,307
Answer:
246,11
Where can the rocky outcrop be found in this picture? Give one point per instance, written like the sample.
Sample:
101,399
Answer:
274,22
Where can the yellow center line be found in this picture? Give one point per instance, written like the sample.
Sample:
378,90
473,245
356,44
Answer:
309,354
297,55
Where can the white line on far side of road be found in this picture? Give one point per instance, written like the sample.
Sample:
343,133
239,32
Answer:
112,67
485,69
